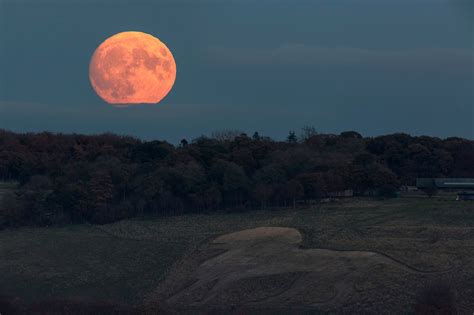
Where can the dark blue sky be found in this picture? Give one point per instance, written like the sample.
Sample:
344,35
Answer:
256,65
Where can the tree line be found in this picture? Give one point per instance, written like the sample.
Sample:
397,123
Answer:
103,178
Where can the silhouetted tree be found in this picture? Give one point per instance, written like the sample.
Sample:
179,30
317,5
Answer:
351,135
226,134
103,178
307,132
292,137
183,143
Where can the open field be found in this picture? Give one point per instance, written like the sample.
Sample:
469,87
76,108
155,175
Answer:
415,242
6,188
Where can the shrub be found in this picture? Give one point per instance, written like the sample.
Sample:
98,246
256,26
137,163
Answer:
436,298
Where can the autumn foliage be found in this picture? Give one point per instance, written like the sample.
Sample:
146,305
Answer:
103,178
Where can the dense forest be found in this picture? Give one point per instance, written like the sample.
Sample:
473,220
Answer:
103,178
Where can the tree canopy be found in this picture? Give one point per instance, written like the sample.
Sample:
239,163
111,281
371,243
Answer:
103,178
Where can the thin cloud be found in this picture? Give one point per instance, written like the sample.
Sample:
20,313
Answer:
456,60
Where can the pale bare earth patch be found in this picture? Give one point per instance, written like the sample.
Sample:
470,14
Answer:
266,268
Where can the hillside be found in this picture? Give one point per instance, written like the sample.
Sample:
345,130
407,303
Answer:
417,243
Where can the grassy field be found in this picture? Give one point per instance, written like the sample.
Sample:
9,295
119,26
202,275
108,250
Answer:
6,188
125,261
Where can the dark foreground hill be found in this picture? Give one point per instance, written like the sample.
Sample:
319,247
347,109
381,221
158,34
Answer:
358,256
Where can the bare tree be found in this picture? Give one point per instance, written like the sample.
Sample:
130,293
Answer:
307,132
226,134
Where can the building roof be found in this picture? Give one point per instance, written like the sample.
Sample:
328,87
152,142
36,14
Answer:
457,183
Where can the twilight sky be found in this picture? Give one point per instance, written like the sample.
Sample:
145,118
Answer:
374,66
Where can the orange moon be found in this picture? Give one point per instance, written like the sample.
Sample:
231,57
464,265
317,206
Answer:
131,68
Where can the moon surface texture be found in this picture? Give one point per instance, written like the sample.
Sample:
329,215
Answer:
132,68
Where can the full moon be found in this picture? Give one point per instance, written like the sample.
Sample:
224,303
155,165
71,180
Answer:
131,68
